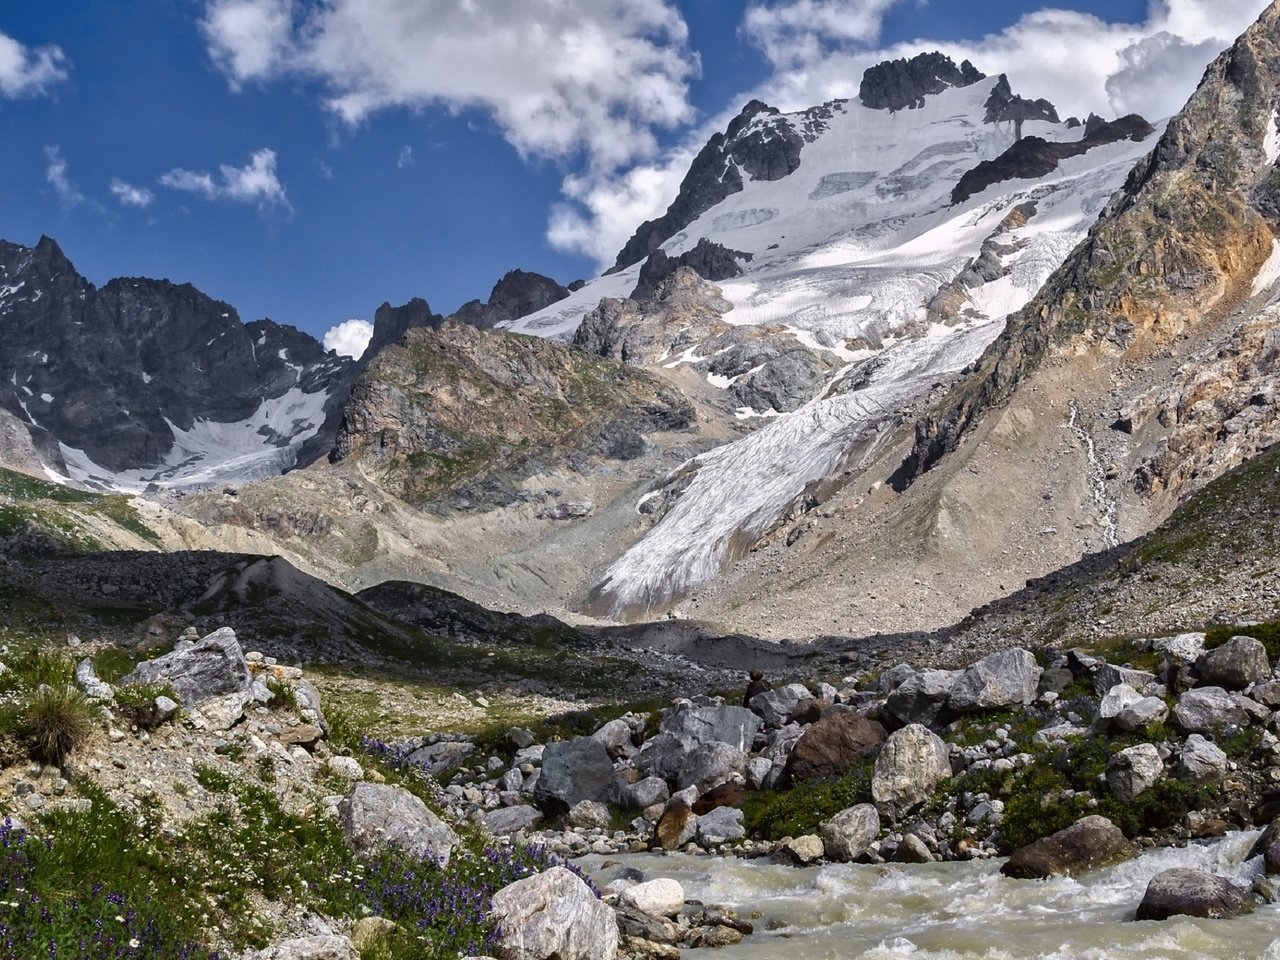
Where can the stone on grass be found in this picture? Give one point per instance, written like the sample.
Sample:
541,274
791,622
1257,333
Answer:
1205,709
373,814
1192,893
847,835
644,793
1118,698
1006,678
213,667
1087,844
1107,675
1236,664
1201,760
1185,646
1142,714
687,726
553,914
616,738
348,768
657,898
588,815
912,762
1133,771
87,680
325,947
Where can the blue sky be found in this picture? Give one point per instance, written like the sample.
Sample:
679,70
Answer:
308,159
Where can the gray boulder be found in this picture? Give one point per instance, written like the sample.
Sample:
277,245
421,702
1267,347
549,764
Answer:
589,815
687,726
912,762
87,680
847,835
442,757
373,814
719,826
213,667
1236,664
1133,771
710,765
1087,844
1205,709
616,738
644,793
574,770
922,697
1116,699
1201,760
1107,675
1142,714
553,914
508,820
1006,678
776,706
1185,647
1192,893
322,947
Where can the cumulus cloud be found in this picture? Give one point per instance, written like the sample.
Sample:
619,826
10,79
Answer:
129,195
255,182
820,48
349,338
25,72
588,79
56,175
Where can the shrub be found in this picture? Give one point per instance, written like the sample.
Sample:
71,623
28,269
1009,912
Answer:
56,720
283,696
774,814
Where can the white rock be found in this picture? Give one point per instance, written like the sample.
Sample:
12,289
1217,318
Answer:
657,898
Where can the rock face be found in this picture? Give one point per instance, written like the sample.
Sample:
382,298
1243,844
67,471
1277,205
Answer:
708,259
912,762
1192,893
372,814
572,771
553,915
832,745
847,835
107,370
465,415
759,142
1236,664
1004,679
198,672
1085,845
518,294
903,84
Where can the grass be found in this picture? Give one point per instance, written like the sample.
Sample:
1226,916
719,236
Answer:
56,720
1268,633
28,504
774,814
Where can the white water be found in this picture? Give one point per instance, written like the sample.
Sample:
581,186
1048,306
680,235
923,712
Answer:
966,911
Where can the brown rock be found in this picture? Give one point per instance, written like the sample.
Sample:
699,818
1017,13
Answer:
305,735
832,745
1085,845
675,827
725,795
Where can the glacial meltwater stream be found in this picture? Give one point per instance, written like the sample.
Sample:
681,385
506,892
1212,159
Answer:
964,911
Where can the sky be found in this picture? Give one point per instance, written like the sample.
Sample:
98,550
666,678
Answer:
306,160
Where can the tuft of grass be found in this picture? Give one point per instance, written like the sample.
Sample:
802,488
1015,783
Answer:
55,720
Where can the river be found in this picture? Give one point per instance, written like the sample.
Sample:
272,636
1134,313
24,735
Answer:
964,911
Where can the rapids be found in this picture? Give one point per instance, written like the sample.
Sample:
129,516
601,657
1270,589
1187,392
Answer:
964,911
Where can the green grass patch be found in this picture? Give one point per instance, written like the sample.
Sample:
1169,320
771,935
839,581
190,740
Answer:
774,814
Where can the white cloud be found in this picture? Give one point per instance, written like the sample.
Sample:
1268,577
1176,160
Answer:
405,157
820,48
349,338
129,195
25,72
564,79
255,182
55,173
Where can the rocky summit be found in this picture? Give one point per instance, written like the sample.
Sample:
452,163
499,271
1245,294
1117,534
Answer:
875,559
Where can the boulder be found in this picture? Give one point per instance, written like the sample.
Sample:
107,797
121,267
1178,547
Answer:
589,815
1236,664
325,947
922,697
687,726
1192,893
1118,698
776,706
847,835
676,826
804,850
1133,771
719,826
309,708
758,770
1142,714
616,738
778,753
1087,844
508,820
372,814
643,793
572,771
710,765
914,850
213,667
442,756
1201,760
1006,678
1205,709
912,762
832,746
1107,675
655,898
725,795
1185,647
219,713
87,680
553,914
1268,847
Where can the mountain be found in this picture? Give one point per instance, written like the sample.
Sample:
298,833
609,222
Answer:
146,383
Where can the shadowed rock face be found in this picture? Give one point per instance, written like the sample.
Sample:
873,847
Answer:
1004,105
710,260
106,370
903,84
516,295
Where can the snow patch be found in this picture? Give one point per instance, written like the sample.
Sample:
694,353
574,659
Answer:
1271,142
1269,272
